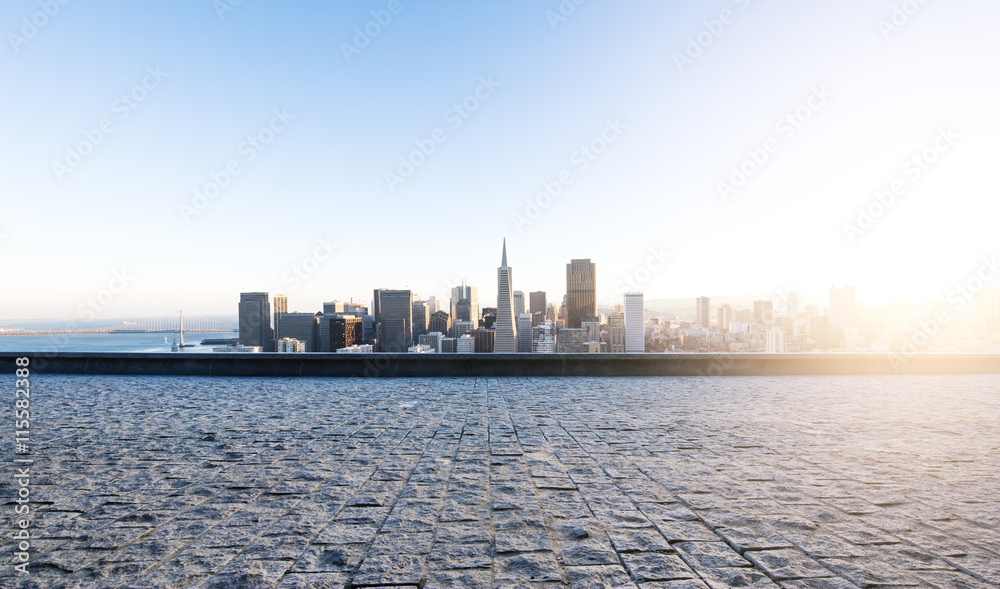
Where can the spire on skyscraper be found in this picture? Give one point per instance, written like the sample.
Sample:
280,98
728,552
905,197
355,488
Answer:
503,262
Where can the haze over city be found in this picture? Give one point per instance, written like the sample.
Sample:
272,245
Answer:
408,152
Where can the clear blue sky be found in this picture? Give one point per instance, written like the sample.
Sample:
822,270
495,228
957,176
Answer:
887,93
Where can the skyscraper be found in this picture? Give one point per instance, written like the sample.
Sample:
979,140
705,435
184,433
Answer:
506,332
581,291
703,308
523,332
421,317
255,320
537,302
465,304
725,317
793,305
393,320
440,321
843,307
635,329
518,302
616,332
763,311
280,306
301,326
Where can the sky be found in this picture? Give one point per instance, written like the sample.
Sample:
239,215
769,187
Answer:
167,155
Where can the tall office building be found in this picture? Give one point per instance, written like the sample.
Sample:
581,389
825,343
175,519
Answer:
616,333
763,311
703,309
300,326
345,331
440,321
543,338
843,307
432,305
506,331
775,340
725,317
537,302
581,291
635,331
593,327
393,320
793,305
279,306
524,332
421,318
460,328
465,304
518,302
484,339
255,320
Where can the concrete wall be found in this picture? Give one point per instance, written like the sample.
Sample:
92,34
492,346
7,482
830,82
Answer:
437,365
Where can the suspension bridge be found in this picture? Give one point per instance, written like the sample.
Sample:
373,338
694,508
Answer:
169,323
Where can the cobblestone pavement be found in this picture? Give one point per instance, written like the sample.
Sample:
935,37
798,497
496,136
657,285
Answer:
680,483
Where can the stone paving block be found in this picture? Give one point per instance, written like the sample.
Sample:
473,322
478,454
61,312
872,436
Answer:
654,566
521,541
710,555
313,581
525,567
598,577
385,569
639,540
787,564
724,578
526,482
460,556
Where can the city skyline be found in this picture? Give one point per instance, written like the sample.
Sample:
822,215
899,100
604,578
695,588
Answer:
223,159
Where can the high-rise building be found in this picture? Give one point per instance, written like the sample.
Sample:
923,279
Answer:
255,321
393,320
843,307
581,291
465,344
543,338
537,302
551,313
301,326
763,311
518,302
485,340
572,340
421,317
432,305
524,332
793,304
703,309
432,339
635,332
279,305
440,321
616,333
506,331
461,327
449,345
345,331
465,304
775,340
724,317
593,327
